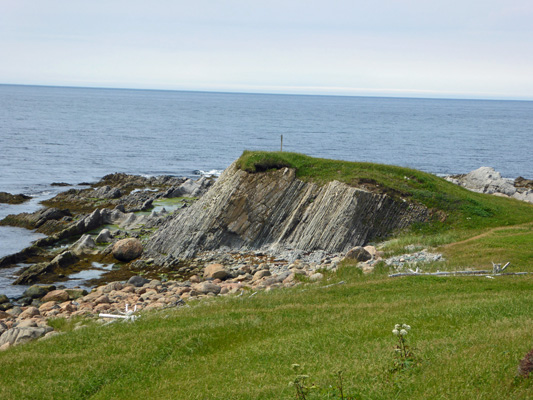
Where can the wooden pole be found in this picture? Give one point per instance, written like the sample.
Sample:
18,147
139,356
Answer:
282,143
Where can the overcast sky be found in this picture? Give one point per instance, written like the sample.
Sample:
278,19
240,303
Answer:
422,48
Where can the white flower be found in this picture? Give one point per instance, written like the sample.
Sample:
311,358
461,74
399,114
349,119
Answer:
407,327
395,332
397,326
403,332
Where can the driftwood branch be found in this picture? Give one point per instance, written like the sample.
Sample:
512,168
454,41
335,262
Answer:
333,284
497,270
456,273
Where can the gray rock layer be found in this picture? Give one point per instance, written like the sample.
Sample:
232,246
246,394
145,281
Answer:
275,211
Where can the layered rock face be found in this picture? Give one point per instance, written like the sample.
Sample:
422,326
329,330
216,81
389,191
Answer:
276,211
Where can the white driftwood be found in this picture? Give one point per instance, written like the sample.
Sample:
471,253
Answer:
456,273
333,284
126,316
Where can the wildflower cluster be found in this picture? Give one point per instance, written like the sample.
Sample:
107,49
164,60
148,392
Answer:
404,356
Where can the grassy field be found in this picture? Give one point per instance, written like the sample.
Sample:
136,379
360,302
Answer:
467,336
468,333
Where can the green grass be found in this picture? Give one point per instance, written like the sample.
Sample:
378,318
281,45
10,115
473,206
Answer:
468,334
464,210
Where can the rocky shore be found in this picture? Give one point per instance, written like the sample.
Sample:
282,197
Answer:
222,273
166,240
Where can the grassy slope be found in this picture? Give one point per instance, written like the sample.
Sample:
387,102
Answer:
469,333
465,209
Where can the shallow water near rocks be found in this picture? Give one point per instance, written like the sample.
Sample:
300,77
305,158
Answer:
7,276
14,239
84,279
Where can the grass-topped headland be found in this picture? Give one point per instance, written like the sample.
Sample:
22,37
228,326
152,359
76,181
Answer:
462,209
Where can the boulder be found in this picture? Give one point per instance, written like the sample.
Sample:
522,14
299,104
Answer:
29,312
104,299
56,295
216,271
523,182
261,274
3,299
45,307
28,323
137,281
485,180
127,249
317,276
38,291
372,251
358,254
524,196
4,315
104,236
112,286
5,306
15,311
17,335
207,287
76,293
84,245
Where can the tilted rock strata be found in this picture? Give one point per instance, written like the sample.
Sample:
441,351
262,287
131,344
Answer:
275,210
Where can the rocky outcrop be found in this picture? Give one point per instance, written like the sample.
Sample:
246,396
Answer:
13,198
274,210
488,180
21,335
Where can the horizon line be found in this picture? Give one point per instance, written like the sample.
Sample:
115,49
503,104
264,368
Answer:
284,90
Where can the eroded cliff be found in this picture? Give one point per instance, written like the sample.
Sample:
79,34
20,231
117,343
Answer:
274,210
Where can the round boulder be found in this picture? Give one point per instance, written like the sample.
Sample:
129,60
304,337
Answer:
127,249
137,281
38,291
358,254
216,271
56,295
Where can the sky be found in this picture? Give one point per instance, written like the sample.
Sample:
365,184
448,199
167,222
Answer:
411,48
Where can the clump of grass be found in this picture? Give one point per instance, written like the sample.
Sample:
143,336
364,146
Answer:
304,391
526,365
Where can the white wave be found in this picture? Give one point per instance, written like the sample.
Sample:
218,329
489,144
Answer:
213,172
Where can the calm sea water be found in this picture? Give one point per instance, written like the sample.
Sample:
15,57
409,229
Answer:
73,135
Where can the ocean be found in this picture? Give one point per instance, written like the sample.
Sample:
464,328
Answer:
74,135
